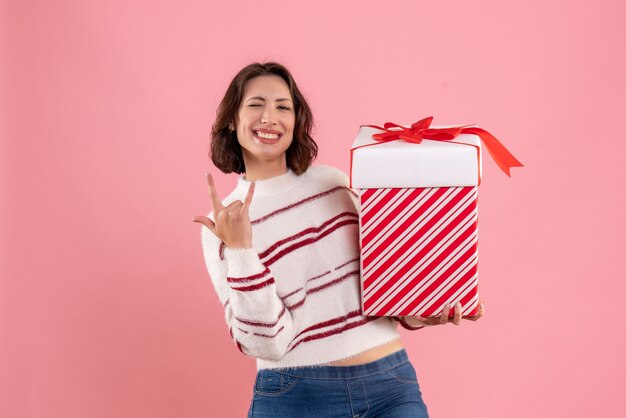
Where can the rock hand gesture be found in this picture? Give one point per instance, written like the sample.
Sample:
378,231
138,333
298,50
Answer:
232,223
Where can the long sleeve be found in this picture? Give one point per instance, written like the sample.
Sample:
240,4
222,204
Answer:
258,319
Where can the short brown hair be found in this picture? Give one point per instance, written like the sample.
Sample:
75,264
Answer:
225,149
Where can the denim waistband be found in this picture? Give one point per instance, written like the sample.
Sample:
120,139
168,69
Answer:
347,372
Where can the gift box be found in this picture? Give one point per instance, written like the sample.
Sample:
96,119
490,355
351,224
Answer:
418,189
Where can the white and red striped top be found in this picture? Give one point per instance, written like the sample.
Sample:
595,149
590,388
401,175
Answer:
293,299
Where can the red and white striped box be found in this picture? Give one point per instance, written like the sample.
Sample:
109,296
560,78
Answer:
418,224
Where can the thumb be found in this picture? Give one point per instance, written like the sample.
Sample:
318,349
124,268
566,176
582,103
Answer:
205,221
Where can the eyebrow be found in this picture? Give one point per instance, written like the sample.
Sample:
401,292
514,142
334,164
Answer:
282,99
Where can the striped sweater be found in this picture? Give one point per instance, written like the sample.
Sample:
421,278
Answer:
293,299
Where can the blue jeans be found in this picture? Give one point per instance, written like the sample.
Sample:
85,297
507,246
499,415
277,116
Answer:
384,388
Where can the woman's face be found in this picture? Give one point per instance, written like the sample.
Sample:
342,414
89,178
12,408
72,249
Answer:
265,120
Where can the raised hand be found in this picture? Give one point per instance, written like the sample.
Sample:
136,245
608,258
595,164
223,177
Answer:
443,319
232,223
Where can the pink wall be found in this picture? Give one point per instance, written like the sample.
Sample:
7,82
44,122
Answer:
106,309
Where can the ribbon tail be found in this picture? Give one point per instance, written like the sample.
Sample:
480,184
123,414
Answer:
503,158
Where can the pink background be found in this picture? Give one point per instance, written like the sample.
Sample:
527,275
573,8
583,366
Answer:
106,309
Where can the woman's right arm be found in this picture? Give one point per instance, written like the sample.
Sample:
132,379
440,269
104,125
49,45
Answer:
258,319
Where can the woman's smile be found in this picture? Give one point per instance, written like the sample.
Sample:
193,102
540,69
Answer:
267,136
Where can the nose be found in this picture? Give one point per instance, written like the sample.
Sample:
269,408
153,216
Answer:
268,115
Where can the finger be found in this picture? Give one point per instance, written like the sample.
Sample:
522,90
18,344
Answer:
233,211
205,221
215,200
444,314
235,205
458,311
248,199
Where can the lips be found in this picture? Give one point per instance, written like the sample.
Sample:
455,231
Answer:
269,136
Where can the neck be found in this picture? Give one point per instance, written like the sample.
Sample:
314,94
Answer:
268,186
265,170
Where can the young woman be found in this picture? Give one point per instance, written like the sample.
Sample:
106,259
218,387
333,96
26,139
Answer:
282,251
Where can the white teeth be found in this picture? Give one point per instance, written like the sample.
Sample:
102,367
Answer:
266,136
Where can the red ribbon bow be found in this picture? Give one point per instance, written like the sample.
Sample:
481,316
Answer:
422,130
